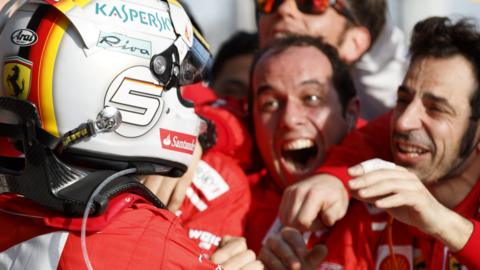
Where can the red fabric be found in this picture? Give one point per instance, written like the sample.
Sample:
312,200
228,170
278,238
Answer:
373,140
137,236
233,138
469,254
198,93
225,214
266,199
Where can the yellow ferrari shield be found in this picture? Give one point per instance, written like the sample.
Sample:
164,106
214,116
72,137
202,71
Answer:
17,74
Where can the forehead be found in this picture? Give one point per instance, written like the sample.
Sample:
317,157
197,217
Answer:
452,78
292,67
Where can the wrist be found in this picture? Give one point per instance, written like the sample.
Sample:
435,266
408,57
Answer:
453,230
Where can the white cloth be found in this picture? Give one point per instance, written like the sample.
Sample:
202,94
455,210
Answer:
380,71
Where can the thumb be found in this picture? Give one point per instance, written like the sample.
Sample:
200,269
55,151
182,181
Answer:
316,256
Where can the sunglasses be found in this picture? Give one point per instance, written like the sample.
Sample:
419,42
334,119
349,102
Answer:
314,7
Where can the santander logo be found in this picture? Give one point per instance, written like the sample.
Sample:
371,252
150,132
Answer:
176,141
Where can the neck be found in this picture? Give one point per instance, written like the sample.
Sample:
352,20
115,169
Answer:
453,190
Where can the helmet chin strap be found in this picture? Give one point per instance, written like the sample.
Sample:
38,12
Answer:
48,181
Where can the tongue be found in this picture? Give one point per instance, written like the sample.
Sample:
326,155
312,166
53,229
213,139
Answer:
300,157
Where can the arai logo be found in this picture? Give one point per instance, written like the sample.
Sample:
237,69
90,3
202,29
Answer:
24,37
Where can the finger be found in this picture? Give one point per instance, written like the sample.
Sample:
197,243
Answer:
316,256
370,166
268,258
292,200
165,191
308,212
239,260
295,240
255,265
178,196
283,251
393,201
374,177
229,247
333,213
153,182
384,188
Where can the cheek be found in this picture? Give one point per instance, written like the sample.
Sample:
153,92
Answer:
330,125
264,125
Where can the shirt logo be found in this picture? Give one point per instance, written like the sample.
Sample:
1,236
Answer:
24,37
207,239
176,141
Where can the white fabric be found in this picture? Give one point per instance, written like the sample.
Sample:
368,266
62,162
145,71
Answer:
380,71
41,252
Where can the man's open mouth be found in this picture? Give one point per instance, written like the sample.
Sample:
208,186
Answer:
410,149
299,156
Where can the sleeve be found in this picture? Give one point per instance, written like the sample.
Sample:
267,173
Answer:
180,252
223,187
372,140
468,255
231,208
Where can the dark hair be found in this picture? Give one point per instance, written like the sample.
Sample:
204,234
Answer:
439,37
341,78
368,13
371,14
239,44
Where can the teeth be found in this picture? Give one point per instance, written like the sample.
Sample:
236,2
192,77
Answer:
412,150
298,144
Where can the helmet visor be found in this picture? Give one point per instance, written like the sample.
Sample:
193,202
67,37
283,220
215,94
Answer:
197,62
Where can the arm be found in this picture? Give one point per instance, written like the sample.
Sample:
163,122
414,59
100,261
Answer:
324,195
408,200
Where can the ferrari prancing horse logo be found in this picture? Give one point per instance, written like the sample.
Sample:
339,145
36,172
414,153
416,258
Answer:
17,74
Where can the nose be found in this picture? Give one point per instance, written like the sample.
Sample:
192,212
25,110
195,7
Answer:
410,118
293,116
288,8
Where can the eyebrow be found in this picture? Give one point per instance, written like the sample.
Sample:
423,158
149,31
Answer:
262,88
267,87
429,96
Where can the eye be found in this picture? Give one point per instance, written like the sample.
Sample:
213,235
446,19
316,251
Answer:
312,100
402,101
268,103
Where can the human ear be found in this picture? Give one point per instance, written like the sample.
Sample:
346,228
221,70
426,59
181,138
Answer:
352,112
356,42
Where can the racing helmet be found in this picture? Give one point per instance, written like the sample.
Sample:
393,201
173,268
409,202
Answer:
76,60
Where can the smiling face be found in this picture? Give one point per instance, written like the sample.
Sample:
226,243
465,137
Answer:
296,111
288,19
432,116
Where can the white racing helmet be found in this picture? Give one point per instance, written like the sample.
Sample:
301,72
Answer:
72,59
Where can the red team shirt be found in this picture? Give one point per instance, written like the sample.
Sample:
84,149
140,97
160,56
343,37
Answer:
131,234
367,241
365,237
217,201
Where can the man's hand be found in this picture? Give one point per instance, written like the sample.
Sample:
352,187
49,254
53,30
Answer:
233,254
171,191
287,250
318,201
406,198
